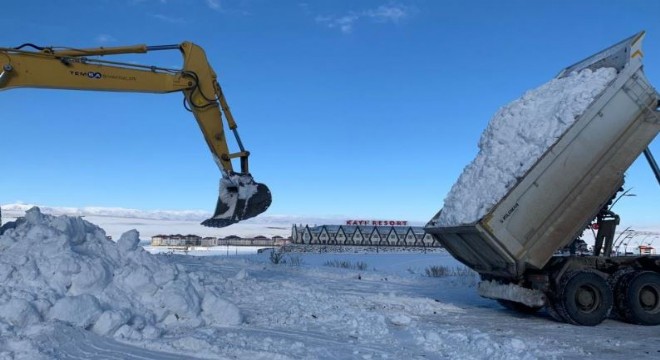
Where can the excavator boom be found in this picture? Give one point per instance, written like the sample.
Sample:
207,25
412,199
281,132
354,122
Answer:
83,69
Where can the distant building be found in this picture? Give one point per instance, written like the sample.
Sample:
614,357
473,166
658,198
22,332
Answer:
193,240
646,250
158,240
209,241
364,233
179,240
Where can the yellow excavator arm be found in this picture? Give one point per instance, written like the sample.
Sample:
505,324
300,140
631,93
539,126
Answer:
84,69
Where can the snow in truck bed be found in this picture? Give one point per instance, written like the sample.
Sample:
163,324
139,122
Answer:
516,137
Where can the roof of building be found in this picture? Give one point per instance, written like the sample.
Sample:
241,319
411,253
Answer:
367,229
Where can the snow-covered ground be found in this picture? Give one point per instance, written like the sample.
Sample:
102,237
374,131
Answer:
68,293
206,250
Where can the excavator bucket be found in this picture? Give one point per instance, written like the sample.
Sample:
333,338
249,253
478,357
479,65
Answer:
240,198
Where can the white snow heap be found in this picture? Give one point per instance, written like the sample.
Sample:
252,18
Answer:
63,268
516,137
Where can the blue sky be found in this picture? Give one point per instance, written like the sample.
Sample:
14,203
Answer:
359,108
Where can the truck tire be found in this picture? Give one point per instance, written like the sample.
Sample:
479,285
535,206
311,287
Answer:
616,281
518,307
638,298
585,298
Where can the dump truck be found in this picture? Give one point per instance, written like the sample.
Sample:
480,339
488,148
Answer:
571,187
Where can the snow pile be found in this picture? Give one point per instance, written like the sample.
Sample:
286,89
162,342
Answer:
516,137
64,268
477,345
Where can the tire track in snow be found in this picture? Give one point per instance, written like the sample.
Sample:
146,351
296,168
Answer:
99,347
335,347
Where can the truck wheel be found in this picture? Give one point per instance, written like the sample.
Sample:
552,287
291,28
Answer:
618,281
518,307
585,298
638,298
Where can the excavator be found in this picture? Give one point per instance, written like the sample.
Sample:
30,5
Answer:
33,66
